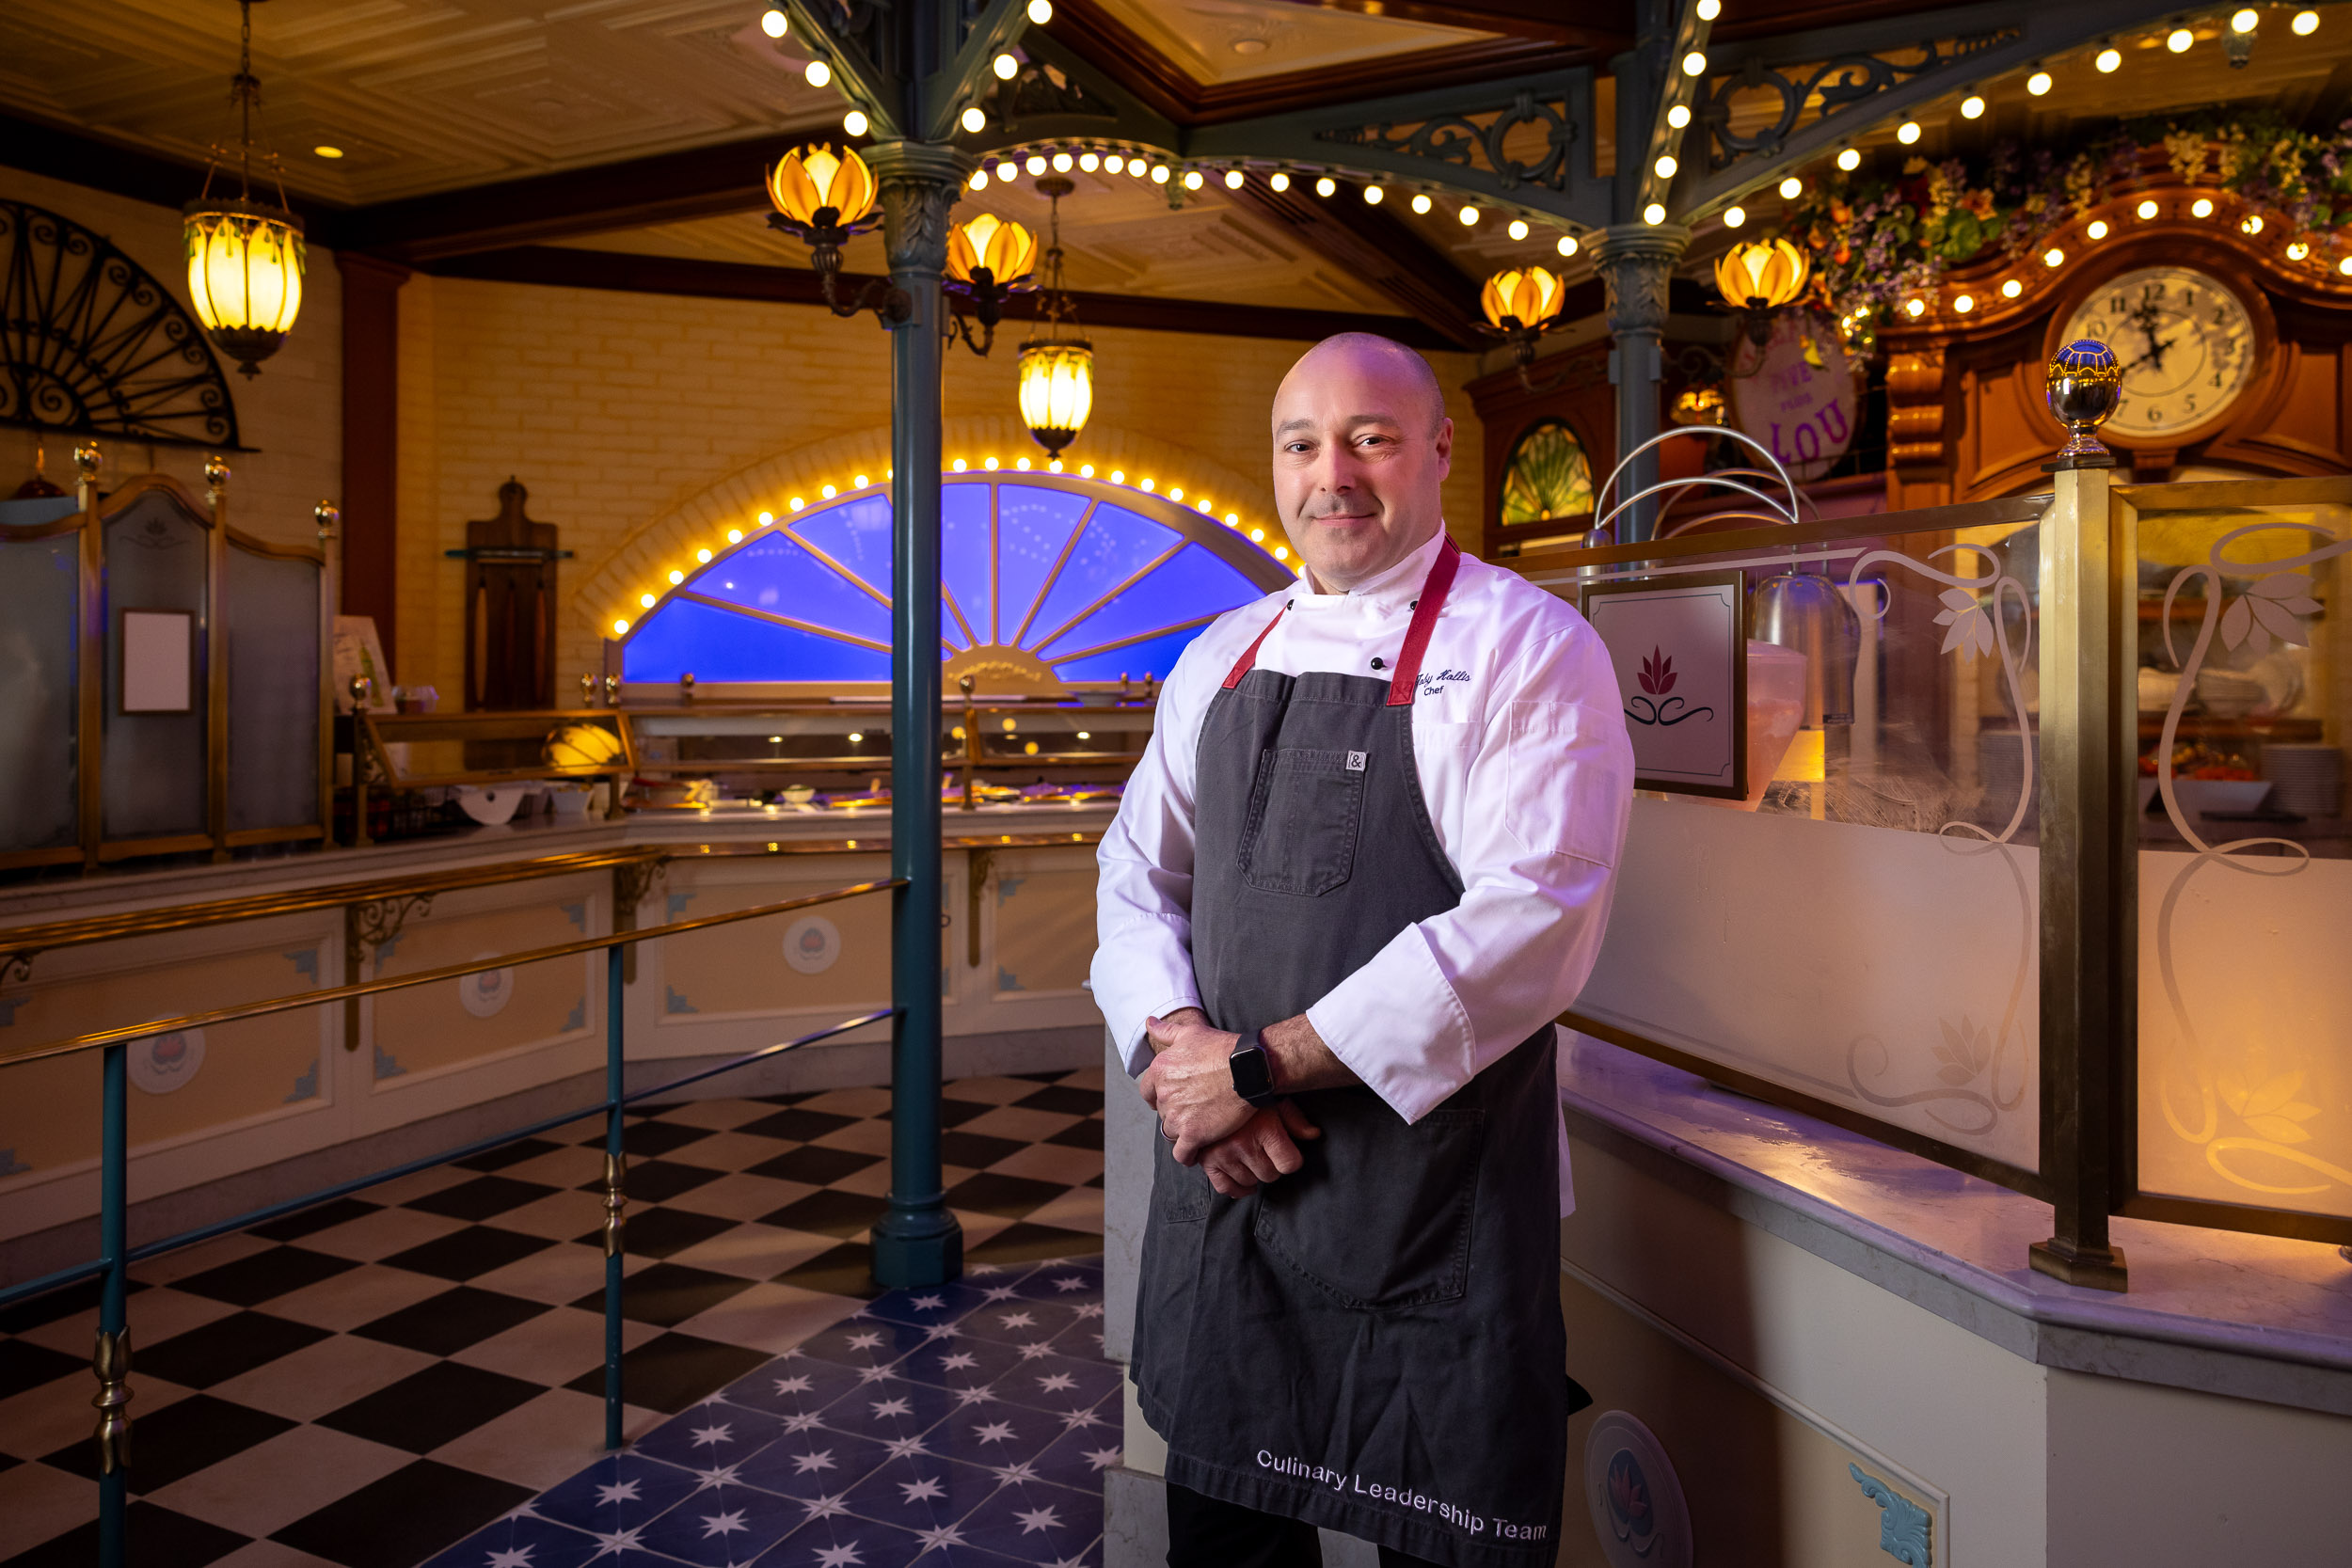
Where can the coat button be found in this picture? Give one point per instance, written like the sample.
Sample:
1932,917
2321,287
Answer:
1380,664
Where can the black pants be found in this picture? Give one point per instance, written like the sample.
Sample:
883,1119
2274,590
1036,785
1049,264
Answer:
1203,1532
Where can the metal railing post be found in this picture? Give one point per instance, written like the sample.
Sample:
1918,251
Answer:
615,1199
111,1362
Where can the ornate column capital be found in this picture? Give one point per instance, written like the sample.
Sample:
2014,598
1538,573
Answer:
1636,262
916,182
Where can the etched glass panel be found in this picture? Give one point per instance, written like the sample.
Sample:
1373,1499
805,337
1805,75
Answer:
39,593
273,610
153,767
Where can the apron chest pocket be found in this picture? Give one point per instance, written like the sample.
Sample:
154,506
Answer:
1300,834
1381,1215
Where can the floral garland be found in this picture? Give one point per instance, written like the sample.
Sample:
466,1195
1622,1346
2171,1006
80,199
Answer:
1872,240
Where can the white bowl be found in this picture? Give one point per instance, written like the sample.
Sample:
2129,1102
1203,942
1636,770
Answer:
2199,797
492,807
568,800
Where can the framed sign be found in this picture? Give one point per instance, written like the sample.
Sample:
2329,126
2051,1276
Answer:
1797,394
158,661
1679,647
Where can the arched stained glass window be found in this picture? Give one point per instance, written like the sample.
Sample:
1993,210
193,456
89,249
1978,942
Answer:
1547,477
1048,580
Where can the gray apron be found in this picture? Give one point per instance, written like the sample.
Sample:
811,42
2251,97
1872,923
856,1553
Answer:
1373,1343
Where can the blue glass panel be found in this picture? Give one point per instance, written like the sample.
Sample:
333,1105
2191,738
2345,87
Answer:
1116,543
1195,583
963,551
854,533
720,646
775,573
1154,657
1032,525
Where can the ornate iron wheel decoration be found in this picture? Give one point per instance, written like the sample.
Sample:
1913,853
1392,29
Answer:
91,343
1467,142
1832,87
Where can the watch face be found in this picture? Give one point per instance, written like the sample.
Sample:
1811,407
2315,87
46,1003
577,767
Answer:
2185,341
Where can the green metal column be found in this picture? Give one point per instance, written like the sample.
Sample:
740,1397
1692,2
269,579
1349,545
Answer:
917,1240
1636,262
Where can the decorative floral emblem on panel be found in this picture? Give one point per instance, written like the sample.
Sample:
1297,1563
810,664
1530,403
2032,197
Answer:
1658,678
1639,1516
1972,629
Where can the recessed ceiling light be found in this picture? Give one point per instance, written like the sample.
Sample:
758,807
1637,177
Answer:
326,152
1249,46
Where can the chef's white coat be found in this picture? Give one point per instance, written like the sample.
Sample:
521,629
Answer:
1519,743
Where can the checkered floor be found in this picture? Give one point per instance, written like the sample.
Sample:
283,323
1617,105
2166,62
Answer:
367,1384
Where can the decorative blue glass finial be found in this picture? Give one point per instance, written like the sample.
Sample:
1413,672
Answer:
2085,384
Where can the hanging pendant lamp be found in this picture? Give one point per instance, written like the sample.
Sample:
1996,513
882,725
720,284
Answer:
1057,373
244,257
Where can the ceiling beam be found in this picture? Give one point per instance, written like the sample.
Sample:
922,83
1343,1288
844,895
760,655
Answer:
562,267
1606,27
1381,249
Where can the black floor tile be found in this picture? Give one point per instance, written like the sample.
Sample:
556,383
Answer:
447,1324
175,1442
1094,1180
675,1371
24,1365
659,1180
816,1166
264,1276
668,1293
155,1536
410,1516
842,1271
220,1349
976,1149
955,1113
1027,1244
482,1198
1010,1196
506,1154
1082,1134
799,1126
831,1213
427,1409
660,1232
462,1254
310,1221
650,1140
50,1306
1063,1101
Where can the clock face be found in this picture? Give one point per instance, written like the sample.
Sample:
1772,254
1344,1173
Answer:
2185,341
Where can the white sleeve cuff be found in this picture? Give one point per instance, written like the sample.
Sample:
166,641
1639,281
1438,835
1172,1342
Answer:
1398,1025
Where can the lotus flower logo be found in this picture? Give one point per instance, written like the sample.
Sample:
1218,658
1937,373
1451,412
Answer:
1658,673
1656,707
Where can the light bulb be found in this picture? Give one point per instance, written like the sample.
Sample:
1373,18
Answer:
1422,202
1468,217
1679,116
1518,228
979,180
2053,257
818,73
1278,181
1694,63
2344,266
1568,244
1089,162
676,576
1791,188
2108,60
1233,179
1086,470
1373,195
775,23
2011,288
1666,166
959,465
2097,229
1735,217
828,491
1040,11
1007,171
1654,213
735,536
1964,303
1147,482
2251,224
1325,185
1972,108
2146,209
1711,10
1915,307
797,503
2296,251
1006,66
1135,166
702,557
859,482
2178,39
2245,20
854,122
646,601
1849,160
988,463
1034,164
1114,164
1119,475
766,519
1907,133
619,626
2306,23
1193,180
2200,208
1175,492
1064,162
2039,83
1159,174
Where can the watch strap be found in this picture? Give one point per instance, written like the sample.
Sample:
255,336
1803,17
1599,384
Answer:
1253,1070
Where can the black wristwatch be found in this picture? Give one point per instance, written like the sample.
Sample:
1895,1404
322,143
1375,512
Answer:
1253,1070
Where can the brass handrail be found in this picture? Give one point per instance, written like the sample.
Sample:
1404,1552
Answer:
425,977
21,943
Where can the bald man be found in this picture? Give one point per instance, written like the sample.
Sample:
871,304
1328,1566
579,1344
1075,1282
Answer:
1364,863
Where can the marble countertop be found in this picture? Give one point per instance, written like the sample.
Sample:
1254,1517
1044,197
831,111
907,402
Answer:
2253,1316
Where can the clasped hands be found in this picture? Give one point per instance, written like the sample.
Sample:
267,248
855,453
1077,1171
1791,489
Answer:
1191,1084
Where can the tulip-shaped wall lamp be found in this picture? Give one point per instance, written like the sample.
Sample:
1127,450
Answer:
988,258
824,198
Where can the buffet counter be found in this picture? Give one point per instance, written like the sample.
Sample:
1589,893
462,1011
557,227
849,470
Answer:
360,1082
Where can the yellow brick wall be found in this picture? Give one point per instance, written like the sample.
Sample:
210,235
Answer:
636,419
291,412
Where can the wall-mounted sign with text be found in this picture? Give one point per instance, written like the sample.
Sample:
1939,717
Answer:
1796,394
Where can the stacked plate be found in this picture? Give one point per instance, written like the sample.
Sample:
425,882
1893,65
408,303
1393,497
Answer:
2308,780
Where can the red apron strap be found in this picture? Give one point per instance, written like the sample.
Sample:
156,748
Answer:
1433,591
1250,655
